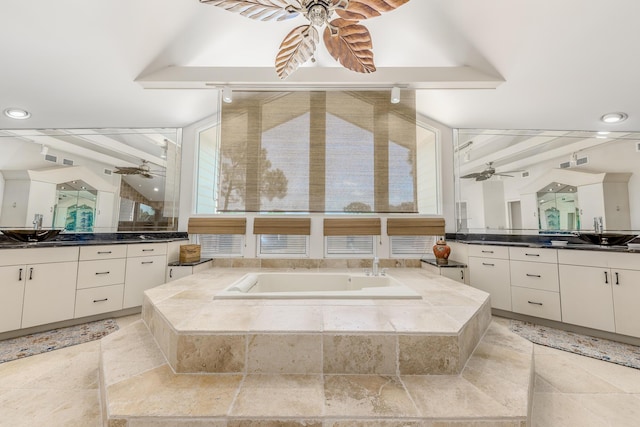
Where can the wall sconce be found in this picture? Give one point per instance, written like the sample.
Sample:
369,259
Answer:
395,95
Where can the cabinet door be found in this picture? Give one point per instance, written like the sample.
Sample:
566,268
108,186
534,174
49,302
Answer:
585,295
177,272
492,275
142,273
626,295
459,274
50,293
12,281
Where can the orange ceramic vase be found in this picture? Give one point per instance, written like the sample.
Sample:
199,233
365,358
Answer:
441,250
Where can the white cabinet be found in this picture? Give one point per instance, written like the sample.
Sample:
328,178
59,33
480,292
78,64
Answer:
176,271
626,297
49,294
459,274
101,273
534,282
587,296
489,271
146,264
12,280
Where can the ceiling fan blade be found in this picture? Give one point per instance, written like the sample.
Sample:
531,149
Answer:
261,10
358,10
483,177
503,174
351,45
296,48
472,175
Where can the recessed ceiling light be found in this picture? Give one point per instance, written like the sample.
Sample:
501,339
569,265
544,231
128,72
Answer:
156,189
603,132
17,113
614,117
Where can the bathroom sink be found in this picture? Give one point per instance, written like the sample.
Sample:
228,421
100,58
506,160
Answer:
30,235
606,239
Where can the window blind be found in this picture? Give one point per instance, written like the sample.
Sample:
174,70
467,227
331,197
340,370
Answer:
282,226
217,225
220,245
411,245
337,151
349,245
270,244
415,226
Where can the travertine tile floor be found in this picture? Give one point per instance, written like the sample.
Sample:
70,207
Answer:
60,388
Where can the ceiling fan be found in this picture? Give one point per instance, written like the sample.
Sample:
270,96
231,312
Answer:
346,40
144,170
487,173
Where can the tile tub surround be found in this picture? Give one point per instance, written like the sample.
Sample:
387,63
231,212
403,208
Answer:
139,388
433,335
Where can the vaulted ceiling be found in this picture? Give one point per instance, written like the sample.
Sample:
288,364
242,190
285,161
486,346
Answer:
74,64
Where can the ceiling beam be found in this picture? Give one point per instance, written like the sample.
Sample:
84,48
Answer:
265,78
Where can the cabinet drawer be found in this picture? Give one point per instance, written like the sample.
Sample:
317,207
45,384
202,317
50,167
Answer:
487,251
103,252
146,249
101,273
586,258
98,300
534,302
492,276
535,275
38,255
534,254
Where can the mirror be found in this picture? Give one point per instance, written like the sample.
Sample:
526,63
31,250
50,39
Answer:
537,182
90,180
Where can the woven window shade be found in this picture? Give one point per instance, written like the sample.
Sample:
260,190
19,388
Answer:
290,226
352,227
415,226
217,226
335,151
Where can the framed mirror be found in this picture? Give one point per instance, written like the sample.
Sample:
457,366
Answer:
538,182
90,180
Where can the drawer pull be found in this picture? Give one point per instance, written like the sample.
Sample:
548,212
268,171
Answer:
488,264
532,254
462,274
487,252
101,300
533,275
148,250
102,272
20,275
617,279
31,273
103,252
171,273
147,262
606,277
534,303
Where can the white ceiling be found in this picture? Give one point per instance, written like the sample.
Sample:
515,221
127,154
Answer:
73,64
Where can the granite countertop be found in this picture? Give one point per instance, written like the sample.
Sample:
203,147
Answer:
573,246
88,239
449,264
189,264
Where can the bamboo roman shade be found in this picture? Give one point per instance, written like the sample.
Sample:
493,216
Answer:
217,225
352,227
415,226
334,151
290,226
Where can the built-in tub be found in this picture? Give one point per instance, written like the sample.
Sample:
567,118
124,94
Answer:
317,285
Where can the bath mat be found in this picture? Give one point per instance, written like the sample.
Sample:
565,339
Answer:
42,342
597,348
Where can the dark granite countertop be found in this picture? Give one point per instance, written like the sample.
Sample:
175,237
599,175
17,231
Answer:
88,239
189,264
449,264
535,241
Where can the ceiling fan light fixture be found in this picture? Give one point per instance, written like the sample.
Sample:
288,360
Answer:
613,118
227,94
395,95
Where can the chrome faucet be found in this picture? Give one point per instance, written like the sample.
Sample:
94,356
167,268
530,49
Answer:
376,265
37,221
597,224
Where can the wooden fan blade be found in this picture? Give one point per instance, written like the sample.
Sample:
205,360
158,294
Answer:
351,46
296,48
261,10
357,10
472,175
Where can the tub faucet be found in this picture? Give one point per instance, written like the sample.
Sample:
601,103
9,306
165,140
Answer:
37,221
376,264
